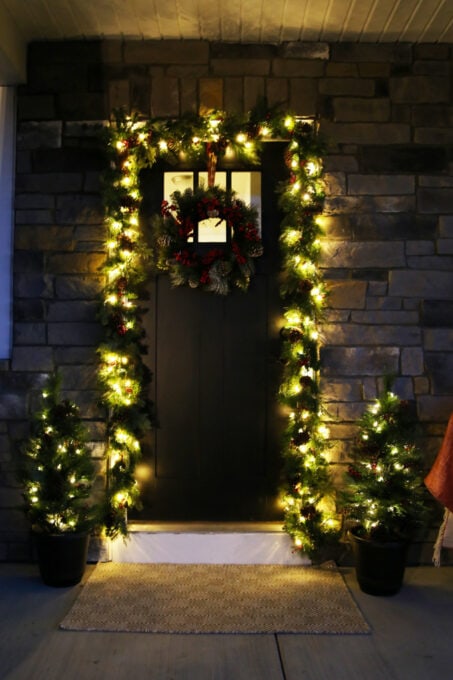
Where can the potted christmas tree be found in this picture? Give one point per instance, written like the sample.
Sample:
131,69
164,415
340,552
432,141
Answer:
57,475
385,499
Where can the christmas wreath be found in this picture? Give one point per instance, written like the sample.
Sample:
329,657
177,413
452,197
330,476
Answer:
213,268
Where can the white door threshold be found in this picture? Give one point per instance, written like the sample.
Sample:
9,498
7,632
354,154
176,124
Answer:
206,543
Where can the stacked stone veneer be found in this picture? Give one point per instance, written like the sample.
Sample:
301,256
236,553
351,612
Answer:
387,114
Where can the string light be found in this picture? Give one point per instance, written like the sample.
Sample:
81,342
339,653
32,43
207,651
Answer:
121,367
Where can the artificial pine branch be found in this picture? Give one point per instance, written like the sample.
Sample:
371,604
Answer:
385,495
58,470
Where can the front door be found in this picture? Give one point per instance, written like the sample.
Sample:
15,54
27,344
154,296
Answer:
214,453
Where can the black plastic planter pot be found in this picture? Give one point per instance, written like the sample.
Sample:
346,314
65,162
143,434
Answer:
379,566
62,558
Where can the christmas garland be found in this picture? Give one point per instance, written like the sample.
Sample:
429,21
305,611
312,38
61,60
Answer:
215,269
310,518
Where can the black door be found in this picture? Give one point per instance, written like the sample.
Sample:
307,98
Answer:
214,453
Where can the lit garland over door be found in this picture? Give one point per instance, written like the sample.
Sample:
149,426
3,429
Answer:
310,518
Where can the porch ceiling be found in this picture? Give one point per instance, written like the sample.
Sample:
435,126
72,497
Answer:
236,20
246,21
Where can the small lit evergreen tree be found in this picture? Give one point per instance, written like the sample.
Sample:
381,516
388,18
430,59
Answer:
385,495
58,470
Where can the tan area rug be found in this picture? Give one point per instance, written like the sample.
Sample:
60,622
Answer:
212,598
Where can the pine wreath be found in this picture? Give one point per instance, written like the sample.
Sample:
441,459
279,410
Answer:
213,268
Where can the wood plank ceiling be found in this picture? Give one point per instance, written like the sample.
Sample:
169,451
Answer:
246,21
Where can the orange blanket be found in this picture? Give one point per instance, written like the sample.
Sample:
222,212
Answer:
439,480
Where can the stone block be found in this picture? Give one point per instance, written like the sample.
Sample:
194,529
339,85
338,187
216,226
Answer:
34,216
334,183
383,317
303,96
78,287
297,68
79,209
277,92
28,310
377,288
75,105
34,201
398,53
80,378
77,310
381,184
188,95
166,52
446,226
76,263
305,50
403,159
254,90
112,51
341,70
439,369
164,97
439,181
242,51
432,115
66,166
366,133
343,87
419,248
23,162
437,313
36,107
32,359
374,69
445,246
29,334
347,294
44,237
36,135
84,129
33,286
438,339
56,182
233,95
372,335
361,109
238,67
140,94
97,430
210,95
74,334
340,163
359,361
431,68
437,262
75,355
434,285
434,408
421,385
187,71
340,390
359,254
419,89
412,361
433,200
431,135
119,96
381,303
431,51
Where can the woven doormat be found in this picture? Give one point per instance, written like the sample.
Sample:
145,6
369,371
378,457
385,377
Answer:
212,598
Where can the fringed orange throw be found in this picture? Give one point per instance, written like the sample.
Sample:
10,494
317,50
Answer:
439,481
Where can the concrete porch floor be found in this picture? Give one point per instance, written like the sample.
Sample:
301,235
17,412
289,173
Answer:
411,639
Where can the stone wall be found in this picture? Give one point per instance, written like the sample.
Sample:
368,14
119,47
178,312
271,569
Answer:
387,113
